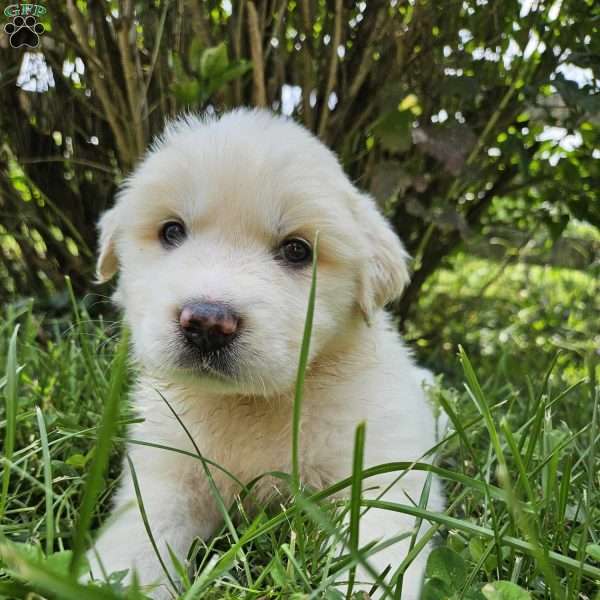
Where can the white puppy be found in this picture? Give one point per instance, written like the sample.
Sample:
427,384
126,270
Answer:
213,236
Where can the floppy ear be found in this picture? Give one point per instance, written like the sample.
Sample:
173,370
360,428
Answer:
107,264
384,274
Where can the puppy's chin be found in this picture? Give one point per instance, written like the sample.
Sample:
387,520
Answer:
219,364
231,371
201,380
215,370
205,381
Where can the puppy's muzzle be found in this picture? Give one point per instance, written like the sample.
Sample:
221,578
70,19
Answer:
209,326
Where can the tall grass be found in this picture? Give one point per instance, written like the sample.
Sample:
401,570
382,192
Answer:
520,467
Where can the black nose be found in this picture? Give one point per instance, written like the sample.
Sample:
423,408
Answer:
208,325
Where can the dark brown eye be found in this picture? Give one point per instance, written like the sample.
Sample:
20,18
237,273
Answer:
296,251
172,234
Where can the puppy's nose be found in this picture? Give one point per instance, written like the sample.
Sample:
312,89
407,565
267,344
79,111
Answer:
208,325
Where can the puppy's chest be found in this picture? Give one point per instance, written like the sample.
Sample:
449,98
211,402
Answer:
250,438
244,434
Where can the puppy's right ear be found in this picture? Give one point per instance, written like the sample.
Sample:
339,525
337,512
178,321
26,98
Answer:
107,264
384,274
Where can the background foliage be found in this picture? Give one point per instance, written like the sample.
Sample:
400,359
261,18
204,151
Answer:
470,121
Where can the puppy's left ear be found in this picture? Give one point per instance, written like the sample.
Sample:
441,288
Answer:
384,274
107,263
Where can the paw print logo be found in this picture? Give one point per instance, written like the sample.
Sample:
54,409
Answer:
24,31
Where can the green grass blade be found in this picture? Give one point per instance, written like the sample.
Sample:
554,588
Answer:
147,527
476,393
478,397
285,548
84,340
358,556
516,454
10,397
524,521
107,430
356,497
3,381
47,481
541,405
480,563
460,429
565,562
302,363
23,474
592,473
217,568
373,472
398,575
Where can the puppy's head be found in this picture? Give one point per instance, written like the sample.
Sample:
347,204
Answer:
213,237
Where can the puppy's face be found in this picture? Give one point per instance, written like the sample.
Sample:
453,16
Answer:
214,235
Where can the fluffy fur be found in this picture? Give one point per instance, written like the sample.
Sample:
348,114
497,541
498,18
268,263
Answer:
241,184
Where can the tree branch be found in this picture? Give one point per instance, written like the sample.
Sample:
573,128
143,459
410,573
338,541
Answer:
131,80
99,85
332,76
256,52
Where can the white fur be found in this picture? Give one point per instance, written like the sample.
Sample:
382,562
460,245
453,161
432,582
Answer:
242,184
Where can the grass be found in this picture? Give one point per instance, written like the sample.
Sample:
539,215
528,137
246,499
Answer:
520,468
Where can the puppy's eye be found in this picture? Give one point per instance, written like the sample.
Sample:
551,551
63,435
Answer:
172,234
296,251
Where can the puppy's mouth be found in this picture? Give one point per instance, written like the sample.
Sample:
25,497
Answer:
216,364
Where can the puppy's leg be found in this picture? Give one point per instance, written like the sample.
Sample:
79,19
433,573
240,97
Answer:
178,509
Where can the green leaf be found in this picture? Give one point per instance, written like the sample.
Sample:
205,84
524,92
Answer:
593,551
187,91
49,517
77,460
10,395
504,590
437,589
31,552
214,61
179,567
59,563
233,71
477,550
393,130
48,576
448,566
278,573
